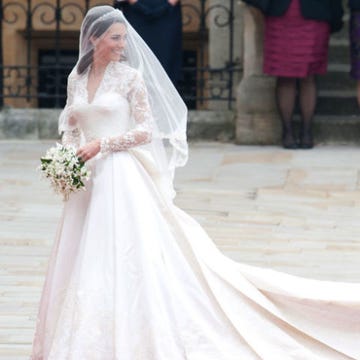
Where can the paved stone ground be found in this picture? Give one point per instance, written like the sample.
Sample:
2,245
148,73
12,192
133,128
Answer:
295,211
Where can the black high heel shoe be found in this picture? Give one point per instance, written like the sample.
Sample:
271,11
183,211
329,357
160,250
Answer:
306,139
288,139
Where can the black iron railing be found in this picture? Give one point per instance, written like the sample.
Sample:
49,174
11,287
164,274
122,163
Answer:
38,76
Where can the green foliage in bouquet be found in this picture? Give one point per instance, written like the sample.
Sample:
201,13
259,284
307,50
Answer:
66,172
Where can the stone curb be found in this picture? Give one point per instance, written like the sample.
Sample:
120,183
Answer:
33,124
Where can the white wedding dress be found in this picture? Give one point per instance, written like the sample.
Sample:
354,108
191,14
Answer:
132,277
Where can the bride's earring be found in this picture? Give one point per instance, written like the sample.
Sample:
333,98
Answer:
94,43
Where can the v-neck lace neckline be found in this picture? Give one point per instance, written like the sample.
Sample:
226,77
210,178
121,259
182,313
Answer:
98,87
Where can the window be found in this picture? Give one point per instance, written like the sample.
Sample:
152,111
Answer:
52,80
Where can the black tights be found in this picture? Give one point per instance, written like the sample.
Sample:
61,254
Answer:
286,91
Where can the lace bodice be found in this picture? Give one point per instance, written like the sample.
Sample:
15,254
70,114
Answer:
119,113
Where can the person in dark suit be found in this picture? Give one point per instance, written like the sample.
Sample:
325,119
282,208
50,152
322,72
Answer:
159,23
354,33
295,50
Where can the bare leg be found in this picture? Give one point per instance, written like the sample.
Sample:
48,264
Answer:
285,97
307,100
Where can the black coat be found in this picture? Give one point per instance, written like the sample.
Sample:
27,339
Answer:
354,4
330,11
160,25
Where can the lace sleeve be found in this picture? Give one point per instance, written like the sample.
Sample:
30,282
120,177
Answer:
142,116
71,138
70,131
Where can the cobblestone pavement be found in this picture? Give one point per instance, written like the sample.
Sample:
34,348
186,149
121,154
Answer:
295,211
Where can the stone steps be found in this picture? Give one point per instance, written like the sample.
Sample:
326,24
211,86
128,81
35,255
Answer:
337,91
337,103
335,129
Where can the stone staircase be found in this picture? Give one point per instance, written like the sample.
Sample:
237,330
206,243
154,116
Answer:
338,116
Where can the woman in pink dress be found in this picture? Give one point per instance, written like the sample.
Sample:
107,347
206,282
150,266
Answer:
295,50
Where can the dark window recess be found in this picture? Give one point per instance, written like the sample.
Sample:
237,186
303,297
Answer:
187,85
47,84
53,80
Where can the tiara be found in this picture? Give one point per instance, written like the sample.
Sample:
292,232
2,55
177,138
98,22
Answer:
108,14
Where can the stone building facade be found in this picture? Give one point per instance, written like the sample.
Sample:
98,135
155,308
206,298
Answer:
39,47
29,40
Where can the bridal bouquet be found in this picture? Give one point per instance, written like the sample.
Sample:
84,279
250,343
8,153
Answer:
66,172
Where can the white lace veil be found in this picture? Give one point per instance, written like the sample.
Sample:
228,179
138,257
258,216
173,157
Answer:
168,109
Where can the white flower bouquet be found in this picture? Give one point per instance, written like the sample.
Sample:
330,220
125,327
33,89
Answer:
66,172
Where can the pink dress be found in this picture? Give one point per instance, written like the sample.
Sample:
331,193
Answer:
295,46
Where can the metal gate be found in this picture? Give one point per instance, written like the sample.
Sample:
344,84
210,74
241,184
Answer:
38,48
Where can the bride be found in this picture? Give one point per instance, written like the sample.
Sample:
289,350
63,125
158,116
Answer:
131,276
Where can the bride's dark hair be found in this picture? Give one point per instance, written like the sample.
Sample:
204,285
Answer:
95,32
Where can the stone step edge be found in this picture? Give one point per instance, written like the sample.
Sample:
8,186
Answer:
41,124
338,94
334,119
32,124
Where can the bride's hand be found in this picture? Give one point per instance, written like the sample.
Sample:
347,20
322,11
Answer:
89,150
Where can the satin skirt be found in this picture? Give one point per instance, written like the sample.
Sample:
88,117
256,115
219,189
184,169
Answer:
132,277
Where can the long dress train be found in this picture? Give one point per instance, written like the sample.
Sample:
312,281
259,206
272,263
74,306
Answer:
132,277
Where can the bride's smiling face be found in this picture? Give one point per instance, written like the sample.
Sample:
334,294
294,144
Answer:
111,45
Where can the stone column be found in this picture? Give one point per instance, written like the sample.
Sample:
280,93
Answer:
257,119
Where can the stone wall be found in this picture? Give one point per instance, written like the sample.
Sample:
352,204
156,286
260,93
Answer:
37,124
28,124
